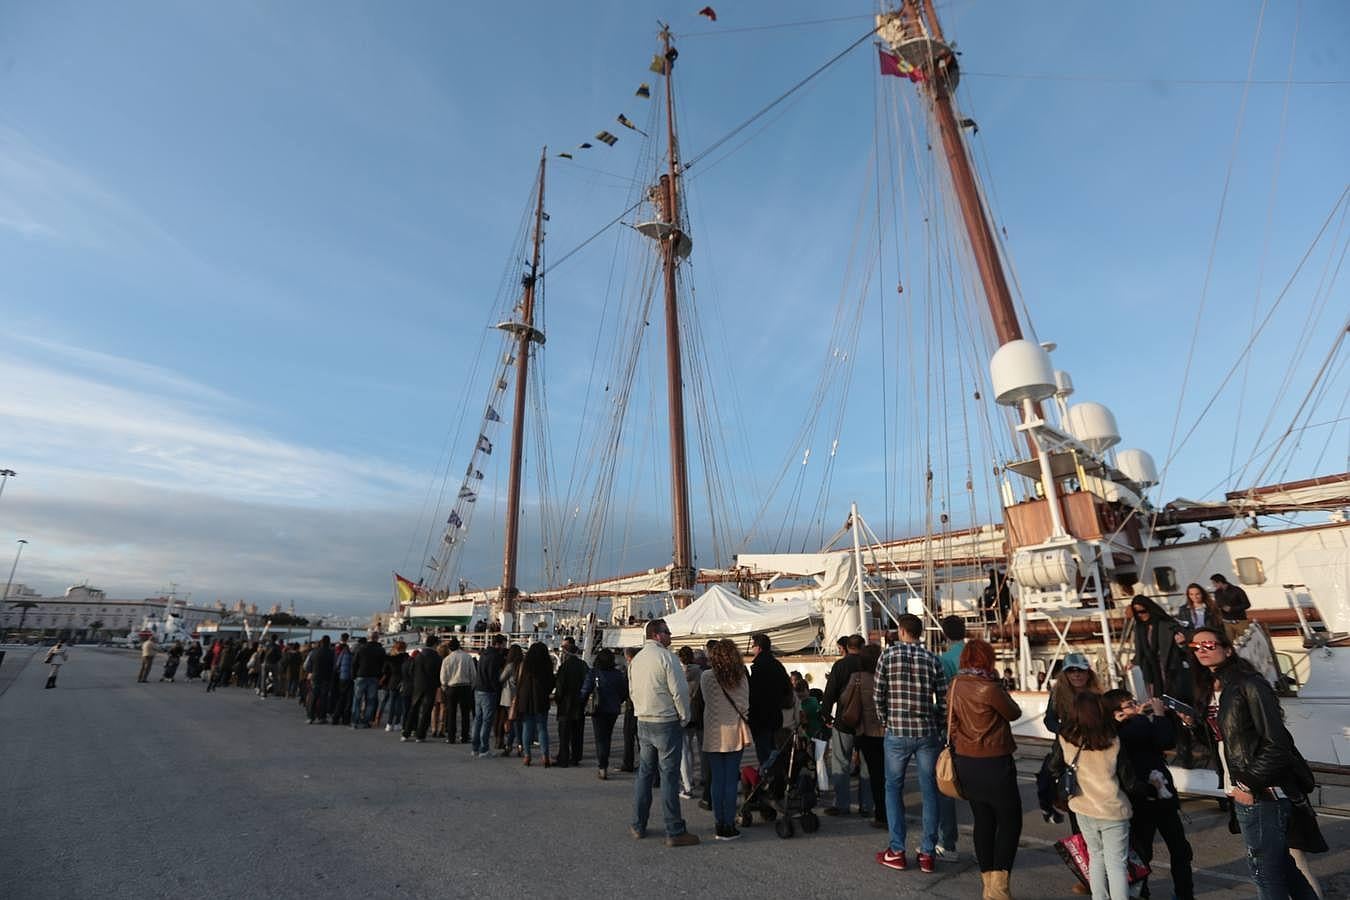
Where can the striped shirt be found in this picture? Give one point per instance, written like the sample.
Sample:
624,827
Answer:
911,691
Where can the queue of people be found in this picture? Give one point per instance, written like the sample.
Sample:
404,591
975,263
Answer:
689,718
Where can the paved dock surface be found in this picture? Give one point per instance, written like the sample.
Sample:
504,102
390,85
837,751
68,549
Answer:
118,789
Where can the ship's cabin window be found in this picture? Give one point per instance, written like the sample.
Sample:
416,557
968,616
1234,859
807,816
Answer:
1165,577
1250,570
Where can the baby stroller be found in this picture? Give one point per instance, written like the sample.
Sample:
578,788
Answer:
784,788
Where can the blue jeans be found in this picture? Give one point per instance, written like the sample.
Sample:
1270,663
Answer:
946,821
535,725
1108,846
1265,829
764,747
659,745
391,707
484,711
924,751
725,770
364,700
841,763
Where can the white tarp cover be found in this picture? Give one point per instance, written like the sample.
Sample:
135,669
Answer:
723,611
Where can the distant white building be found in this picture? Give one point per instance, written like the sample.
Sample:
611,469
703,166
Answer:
81,606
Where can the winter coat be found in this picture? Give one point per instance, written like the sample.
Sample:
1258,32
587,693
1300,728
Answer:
570,680
533,692
770,692
610,687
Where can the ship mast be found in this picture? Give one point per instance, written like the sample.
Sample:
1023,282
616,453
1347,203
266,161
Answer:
917,36
525,333
675,246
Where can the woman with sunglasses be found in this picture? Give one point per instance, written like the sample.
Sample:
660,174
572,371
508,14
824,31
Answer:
1154,643
1259,767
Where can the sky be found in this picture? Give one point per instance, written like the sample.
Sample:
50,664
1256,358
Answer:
251,251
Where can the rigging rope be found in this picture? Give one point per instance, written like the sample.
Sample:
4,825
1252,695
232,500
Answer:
1209,269
1268,230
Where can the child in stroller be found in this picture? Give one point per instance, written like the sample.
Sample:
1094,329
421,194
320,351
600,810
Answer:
784,788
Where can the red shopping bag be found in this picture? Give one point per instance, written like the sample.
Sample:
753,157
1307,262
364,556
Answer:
1073,850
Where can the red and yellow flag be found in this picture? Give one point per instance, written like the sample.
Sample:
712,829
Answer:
405,589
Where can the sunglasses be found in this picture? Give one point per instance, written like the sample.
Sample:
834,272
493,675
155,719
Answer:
1207,646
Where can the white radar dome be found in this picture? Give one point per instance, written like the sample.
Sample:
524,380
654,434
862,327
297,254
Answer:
1138,466
1063,384
1094,425
1020,371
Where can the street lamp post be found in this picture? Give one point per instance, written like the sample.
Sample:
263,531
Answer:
12,568
5,475
16,555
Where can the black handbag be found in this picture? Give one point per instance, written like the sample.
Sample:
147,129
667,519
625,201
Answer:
1067,784
1303,832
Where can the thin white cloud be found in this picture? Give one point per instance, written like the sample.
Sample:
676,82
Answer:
158,429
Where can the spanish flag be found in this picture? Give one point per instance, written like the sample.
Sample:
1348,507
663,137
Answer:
405,589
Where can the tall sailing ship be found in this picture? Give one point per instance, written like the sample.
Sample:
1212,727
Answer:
1074,534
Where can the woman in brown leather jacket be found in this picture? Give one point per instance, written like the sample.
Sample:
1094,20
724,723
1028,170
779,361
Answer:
982,714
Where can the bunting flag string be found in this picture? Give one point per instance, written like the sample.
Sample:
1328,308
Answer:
661,64
627,123
455,520
467,495
484,444
492,415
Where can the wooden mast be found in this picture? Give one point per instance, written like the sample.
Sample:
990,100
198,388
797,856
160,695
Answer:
676,244
941,80
917,38
525,333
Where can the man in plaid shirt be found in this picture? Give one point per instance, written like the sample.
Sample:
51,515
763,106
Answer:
911,696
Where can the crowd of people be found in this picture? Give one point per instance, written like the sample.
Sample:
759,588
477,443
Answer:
1107,771
688,718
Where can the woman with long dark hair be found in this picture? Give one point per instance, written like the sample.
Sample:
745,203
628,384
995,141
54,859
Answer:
1075,676
982,714
726,730
1260,768
1155,645
1088,745
510,715
1199,610
610,687
871,733
532,699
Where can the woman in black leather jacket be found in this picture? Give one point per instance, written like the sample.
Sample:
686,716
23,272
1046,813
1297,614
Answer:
1262,770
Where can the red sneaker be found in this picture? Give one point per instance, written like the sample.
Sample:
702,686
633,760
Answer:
892,860
926,862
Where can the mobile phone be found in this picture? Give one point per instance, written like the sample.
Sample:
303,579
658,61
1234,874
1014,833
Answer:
1178,706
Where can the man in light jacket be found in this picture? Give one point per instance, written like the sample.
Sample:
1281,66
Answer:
660,697
147,659
457,675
